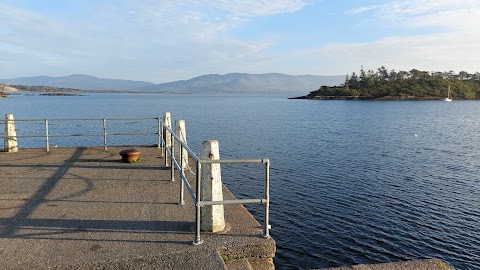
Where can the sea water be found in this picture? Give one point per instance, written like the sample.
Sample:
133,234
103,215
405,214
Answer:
352,182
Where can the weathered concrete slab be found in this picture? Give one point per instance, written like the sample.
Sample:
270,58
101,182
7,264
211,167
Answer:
427,264
82,208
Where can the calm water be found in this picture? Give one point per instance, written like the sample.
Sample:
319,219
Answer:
352,181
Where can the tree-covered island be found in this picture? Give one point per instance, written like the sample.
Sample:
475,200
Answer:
401,85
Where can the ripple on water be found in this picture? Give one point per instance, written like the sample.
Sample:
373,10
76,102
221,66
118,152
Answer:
350,183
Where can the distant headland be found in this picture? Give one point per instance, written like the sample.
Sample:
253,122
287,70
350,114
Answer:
402,85
4,89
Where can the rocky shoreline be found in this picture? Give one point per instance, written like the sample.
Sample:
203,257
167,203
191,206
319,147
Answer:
61,94
4,89
384,98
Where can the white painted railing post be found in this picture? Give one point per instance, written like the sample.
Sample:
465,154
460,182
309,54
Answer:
181,153
212,218
10,143
167,121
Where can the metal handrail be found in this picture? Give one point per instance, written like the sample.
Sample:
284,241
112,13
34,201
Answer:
196,197
47,122
162,129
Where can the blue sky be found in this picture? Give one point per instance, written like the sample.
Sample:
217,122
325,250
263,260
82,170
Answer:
161,41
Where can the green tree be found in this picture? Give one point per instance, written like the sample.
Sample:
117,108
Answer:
383,73
415,83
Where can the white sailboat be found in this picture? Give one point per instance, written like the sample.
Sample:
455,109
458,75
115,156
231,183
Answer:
449,95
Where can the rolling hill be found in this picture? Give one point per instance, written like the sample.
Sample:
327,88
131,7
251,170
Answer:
77,81
247,83
212,83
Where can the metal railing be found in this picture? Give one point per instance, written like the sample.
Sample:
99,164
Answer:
196,196
102,122
161,130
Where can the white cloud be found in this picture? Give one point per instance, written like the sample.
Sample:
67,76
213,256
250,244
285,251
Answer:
35,33
439,52
189,36
169,40
447,14
255,8
203,19
360,10
450,40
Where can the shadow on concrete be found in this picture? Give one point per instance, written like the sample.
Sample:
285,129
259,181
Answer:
100,160
41,193
81,225
111,202
20,156
100,230
23,226
133,166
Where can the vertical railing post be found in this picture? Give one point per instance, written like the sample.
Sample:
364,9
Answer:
267,198
198,240
181,154
5,134
213,219
10,143
181,172
47,144
165,131
167,123
172,166
181,133
159,126
104,134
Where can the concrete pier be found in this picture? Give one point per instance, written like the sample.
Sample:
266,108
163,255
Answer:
82,208
425,264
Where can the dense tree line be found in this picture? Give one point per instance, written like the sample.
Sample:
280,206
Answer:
413,84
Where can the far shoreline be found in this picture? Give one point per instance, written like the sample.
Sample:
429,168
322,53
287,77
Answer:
384,98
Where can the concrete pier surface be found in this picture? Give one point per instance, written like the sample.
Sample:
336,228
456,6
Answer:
82,208
425,264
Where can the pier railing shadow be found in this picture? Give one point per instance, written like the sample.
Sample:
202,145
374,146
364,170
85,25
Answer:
24,225
97,230
167,142
38,196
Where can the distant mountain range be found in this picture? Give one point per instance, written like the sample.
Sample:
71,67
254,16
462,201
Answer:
247,83
77,81
213,83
